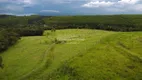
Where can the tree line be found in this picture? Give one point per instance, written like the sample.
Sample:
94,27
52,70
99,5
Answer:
103,22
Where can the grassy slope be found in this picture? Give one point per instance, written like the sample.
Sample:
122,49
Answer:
63,52
23,57
116,57
86,54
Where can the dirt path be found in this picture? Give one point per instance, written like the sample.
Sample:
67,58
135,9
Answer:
41,66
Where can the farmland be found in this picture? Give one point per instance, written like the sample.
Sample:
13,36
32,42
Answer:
80,54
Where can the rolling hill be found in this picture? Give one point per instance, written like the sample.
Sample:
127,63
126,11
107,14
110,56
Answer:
80,54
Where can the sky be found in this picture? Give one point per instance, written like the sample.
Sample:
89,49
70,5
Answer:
70,7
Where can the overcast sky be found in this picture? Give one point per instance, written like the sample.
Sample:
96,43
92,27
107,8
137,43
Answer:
70,7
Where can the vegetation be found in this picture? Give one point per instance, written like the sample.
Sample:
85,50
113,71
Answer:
34,47
82,54
115,57
104,22
7,38
1,65
20,21
29,31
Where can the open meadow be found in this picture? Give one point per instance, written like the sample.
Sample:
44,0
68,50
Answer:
75,54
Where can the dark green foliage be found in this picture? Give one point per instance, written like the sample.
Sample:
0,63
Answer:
21,21
7,38
1,65
36,21
23,25
29,31
53,28
105,22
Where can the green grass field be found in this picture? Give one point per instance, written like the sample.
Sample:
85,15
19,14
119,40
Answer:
82,54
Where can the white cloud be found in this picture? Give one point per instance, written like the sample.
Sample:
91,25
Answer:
58,1
18,1
14,8
98,4
128,1
50,11
11,8
137,7
29,14
121,5
27,1
63,1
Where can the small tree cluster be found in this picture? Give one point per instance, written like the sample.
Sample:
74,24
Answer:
7,38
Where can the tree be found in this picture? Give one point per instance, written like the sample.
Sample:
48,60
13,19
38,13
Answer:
53,28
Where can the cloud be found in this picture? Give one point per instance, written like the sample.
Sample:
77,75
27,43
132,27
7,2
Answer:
50,11
11,8
58,1
15,6
2,1
70,6
27,1
29,14
98,4
128,1
20,2
115,6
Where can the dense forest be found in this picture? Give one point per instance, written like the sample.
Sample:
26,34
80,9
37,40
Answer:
104,22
